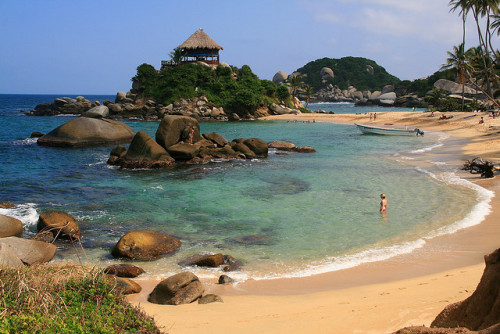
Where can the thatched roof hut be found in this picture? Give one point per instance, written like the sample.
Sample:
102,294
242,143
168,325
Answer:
200,47
200,40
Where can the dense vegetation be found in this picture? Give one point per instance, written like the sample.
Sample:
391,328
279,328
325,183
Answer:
348,71
425,85
68,299
237,90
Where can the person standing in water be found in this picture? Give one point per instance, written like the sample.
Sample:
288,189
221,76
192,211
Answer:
383,203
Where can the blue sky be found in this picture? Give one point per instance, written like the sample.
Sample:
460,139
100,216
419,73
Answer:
94,47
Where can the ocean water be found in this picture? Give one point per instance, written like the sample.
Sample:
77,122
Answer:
310,213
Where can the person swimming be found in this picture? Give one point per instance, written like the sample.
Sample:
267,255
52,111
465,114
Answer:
383,203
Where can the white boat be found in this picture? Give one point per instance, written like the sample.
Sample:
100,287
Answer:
389,130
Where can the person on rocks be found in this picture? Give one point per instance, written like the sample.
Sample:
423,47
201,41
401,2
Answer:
190,137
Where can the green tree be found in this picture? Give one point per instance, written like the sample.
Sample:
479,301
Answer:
282,93
176,56
458,60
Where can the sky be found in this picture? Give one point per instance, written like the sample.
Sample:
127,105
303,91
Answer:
94,47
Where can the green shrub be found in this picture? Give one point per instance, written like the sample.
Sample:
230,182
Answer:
66,299
282,93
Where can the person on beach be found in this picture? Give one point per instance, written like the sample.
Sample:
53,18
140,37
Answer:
375,116
383,203
481,121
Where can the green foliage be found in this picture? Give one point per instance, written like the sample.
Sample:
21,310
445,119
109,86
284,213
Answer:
348,71
238,90
282,93
269,87
68,299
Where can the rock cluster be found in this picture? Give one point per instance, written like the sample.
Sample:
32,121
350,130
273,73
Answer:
16,251
64,105
182,288
178,139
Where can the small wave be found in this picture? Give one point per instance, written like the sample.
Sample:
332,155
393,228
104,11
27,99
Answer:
478,212
26,141
26,213
427,149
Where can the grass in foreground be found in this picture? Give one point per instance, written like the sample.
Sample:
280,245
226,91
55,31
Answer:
65,299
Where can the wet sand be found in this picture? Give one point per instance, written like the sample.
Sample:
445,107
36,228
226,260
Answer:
378,297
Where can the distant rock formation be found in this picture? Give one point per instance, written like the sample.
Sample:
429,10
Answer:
279,78
326,73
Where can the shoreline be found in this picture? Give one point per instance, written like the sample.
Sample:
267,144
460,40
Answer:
409,289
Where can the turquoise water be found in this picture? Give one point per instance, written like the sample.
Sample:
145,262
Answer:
312,212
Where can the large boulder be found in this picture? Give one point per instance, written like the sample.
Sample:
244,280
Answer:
279,110
242,148
84,131
182,288
452,87
482,309
144,152
282,145
8,258
97,112
258,146
145,245
211,260
173,129
182,151
10,227
279,78
326,73
387,99
30,252
216,138
60,224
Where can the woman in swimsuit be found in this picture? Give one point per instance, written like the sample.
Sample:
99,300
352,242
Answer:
383,203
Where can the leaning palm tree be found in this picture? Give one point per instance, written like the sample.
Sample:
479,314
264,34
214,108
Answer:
308,90
458,60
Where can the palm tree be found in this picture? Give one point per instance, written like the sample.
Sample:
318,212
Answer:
458,60
480,9
463,11
308,90
176,56
295,82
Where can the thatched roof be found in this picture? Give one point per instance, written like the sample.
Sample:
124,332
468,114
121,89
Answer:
200,40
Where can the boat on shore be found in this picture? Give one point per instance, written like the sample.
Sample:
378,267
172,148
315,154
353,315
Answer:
389,130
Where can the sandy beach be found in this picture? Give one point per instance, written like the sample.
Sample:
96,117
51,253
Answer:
378,297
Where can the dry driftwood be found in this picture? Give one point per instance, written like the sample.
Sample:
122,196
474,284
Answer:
479,166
